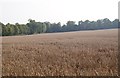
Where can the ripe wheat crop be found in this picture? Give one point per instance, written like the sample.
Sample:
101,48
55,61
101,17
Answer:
82,53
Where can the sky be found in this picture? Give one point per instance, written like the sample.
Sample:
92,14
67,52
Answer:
19,11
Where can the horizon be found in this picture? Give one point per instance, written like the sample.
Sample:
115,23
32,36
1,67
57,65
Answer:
76,22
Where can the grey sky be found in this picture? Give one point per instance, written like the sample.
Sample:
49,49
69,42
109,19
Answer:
20,11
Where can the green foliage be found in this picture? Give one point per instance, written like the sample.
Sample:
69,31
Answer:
34,27
44,28
1,25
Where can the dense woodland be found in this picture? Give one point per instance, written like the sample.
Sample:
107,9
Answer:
34,27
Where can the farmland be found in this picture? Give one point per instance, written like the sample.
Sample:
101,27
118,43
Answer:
80,53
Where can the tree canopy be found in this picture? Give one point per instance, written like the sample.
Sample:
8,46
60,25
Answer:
33,27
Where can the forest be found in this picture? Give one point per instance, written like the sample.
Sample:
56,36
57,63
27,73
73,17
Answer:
33,27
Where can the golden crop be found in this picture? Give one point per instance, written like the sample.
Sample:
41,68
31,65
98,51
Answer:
83,53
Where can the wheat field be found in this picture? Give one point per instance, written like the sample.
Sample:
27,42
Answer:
81,53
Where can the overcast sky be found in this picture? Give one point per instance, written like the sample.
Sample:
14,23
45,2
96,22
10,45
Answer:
20,11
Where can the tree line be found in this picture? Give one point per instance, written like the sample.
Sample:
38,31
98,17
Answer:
33,27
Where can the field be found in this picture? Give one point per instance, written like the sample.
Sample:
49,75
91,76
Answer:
81,53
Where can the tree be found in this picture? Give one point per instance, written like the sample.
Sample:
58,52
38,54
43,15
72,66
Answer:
48,24
70,25
80,25
64,28
34,27
16,29
1,26
55,27
106,23
86,24
10,29
115,23
44,27
99,24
